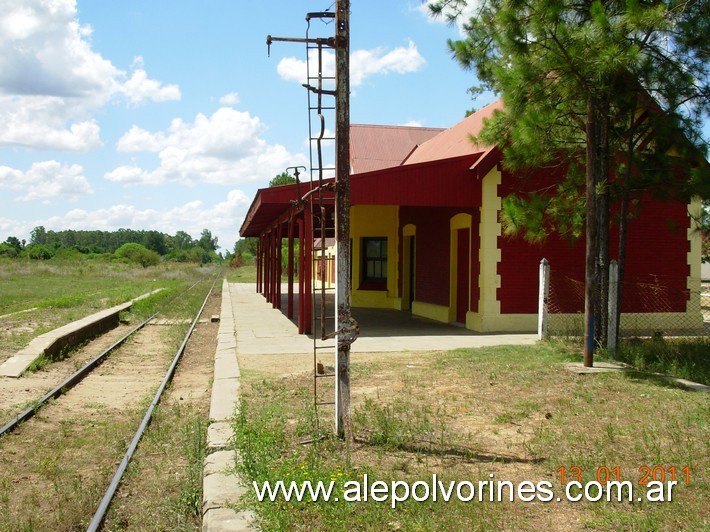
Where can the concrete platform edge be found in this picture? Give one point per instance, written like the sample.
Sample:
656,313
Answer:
221,488
68,335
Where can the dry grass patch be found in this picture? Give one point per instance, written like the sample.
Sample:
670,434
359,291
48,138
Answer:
511,412
38,297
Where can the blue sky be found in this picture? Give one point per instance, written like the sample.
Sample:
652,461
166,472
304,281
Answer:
169,115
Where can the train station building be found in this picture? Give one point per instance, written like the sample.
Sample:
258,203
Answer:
426,238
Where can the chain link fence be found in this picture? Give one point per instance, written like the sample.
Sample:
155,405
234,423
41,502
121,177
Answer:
652,305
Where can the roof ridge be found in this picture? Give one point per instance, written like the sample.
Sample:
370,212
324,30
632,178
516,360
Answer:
398,126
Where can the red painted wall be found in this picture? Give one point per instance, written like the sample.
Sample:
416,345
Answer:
656,259
433,250
475,260
656,267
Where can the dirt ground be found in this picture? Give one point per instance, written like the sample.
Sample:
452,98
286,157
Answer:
284,365
161,472
71,448
17,394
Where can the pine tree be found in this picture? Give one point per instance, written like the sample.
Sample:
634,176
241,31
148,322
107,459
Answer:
585,83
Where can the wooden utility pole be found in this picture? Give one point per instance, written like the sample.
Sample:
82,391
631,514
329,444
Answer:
347,328
591,290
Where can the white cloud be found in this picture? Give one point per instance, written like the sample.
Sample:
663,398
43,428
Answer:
139,88
129,175
461,14
413,123
51,80
48,53
43,122
45,181
138,139
225,148
293,69
231,98
363,64
222,219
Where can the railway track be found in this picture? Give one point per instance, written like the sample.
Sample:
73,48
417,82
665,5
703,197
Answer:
129,369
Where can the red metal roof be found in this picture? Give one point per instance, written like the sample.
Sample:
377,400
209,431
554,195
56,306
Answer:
449,183
268,205
456,140
375,147
399,165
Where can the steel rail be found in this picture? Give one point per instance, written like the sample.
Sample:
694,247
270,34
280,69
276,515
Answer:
76,377
111,491
69,383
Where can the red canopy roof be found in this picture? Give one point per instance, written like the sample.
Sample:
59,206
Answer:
448,183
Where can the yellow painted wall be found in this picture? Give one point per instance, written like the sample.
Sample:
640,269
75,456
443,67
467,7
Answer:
488,318
375,221
695,209
431,311
328,277
693,308
501,322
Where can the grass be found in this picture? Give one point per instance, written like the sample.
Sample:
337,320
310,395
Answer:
48,485
62,292
683,358
163,484
511,412
69,284
242,274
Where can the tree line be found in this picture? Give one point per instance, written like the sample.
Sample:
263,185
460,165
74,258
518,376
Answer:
142,246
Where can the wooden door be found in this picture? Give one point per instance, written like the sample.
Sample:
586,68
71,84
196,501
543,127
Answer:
463,286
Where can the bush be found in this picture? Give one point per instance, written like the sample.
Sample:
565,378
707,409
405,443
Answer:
65,253
686,358
40,252
138,254
236,262
7,251
183,255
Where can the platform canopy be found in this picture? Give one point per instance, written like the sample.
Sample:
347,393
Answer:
452,182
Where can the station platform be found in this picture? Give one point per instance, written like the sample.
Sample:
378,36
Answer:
250,328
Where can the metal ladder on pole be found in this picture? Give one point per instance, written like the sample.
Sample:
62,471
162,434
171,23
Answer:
321,85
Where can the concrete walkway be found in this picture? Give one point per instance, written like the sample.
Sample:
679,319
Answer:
262,329
249,326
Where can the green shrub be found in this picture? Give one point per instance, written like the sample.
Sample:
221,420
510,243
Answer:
65,253
40,252
686,358
183,255
7,251
138,254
